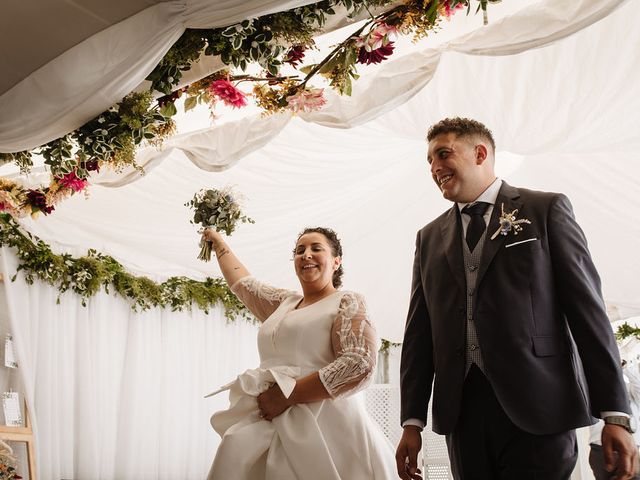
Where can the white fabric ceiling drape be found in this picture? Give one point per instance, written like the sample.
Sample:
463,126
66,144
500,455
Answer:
115,394
393,84
98,72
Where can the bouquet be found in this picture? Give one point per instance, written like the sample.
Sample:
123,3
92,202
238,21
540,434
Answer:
217,209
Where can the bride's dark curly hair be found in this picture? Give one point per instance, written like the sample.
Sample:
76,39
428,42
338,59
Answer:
336,249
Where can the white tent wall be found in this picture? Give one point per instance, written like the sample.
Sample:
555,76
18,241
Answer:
119,394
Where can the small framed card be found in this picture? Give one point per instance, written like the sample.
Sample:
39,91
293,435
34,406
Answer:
11,407
9,353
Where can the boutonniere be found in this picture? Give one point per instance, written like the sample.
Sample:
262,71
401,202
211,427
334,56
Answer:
509,222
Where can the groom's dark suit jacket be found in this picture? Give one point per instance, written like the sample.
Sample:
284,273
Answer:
546,342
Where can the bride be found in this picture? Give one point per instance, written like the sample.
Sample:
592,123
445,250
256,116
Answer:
296,416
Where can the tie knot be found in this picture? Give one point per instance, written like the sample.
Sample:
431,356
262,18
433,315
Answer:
478,208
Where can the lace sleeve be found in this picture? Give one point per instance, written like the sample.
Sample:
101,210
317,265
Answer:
355,344
261,299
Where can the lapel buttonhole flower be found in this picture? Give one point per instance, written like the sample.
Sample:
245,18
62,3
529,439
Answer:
509,223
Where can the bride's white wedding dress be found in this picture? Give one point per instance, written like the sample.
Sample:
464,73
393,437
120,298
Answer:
334,439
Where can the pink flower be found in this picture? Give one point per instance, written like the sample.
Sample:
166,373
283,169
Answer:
306,100
70,180
228,93
375,56
448,10
376,38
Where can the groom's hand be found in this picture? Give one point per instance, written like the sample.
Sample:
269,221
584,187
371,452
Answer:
272,402
620,452
407,453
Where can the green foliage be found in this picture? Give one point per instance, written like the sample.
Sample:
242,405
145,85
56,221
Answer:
22,159
387,345
85,276
625,330
261,40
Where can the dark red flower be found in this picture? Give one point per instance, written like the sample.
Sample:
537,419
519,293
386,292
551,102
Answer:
172,97
91,166
375,56
38,201
295,55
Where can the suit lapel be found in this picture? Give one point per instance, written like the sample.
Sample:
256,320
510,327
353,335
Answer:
451,229
510,198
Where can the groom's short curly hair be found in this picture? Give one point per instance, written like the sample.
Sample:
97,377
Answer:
462,127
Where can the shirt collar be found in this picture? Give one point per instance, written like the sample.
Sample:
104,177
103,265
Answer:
490,195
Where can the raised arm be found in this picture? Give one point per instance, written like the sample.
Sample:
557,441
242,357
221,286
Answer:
232,269
261,299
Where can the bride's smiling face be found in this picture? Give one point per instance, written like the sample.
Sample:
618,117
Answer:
314,261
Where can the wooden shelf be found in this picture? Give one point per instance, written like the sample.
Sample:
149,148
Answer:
22,434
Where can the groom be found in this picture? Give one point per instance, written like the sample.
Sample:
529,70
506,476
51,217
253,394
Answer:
506,327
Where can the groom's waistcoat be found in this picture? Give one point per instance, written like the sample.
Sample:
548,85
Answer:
471,266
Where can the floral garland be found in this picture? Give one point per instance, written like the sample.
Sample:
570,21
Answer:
85,276
625,330
271,41
110,138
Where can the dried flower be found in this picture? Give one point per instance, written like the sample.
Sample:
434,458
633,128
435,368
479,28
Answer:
306,100
228,93
509,222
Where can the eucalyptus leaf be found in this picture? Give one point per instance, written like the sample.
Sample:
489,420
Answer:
190,103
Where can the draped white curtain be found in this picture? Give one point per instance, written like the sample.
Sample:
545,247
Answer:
97,73
116,394
396,82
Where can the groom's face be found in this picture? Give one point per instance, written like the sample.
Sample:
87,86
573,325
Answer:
454,167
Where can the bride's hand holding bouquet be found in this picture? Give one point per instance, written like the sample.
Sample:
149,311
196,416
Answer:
217,211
